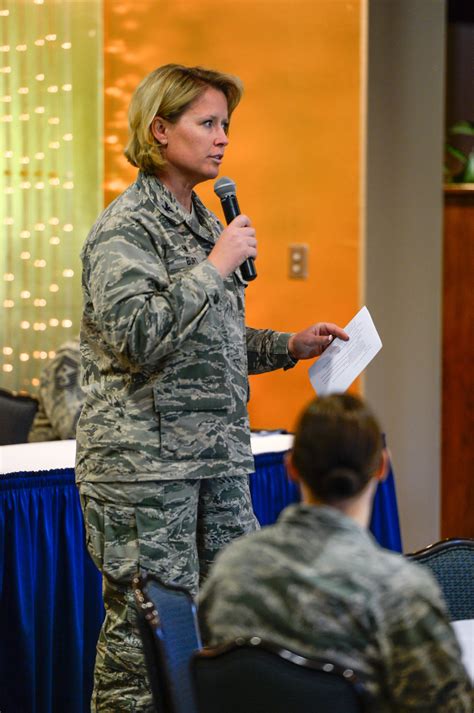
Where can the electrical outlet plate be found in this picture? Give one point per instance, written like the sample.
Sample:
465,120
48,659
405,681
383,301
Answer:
298,261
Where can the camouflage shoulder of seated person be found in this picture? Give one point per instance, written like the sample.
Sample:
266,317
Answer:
60,395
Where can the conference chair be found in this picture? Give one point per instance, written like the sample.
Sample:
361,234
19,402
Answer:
451,561
167,620
253,676
17,412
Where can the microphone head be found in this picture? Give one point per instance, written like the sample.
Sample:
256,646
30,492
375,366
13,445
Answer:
224,187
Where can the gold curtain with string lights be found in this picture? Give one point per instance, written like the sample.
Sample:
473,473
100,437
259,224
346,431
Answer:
51,178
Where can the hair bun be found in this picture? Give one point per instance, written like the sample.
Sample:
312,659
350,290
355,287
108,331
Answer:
339,483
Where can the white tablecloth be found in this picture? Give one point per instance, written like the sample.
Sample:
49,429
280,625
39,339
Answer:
51,455
465,634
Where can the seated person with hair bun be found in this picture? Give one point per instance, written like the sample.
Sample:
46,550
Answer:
317,583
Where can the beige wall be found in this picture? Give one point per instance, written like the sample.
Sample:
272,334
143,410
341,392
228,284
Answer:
403,215
294,150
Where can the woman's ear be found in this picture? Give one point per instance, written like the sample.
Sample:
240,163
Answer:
382,470
290,468
159,130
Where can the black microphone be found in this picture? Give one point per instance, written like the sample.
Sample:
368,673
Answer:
225,189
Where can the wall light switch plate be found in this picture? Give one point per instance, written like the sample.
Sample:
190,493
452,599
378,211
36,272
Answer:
298,261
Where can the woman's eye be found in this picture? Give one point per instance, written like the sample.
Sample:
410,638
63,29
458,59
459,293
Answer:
208,122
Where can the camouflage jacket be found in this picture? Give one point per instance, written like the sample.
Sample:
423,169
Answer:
318,584
165,350
60,396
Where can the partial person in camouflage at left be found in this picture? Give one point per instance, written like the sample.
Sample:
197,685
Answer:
163,441
318,583
60,396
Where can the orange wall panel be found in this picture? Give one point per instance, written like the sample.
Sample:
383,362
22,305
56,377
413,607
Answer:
294,151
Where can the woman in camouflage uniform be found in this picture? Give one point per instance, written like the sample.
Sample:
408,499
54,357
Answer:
163,442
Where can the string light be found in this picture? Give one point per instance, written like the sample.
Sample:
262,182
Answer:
38,157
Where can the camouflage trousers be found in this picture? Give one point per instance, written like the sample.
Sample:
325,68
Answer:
171,528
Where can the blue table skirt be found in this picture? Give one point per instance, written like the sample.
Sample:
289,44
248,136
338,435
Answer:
272,491
50,591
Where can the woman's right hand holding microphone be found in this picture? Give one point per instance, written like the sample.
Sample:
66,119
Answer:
235,244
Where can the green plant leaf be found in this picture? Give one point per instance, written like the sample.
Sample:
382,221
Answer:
457,153
467,176
465,128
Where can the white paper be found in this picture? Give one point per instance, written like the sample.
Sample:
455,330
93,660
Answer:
342,362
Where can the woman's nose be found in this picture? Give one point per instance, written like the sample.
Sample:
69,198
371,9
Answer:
222,139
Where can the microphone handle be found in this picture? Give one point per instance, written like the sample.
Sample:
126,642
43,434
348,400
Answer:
231,209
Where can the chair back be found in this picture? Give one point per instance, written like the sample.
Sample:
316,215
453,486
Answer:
17,412
168,625
451,561
253,676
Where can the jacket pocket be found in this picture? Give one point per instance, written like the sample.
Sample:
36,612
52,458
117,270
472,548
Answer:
193,421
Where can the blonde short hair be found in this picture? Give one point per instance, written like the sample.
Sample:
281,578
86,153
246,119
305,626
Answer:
167,92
